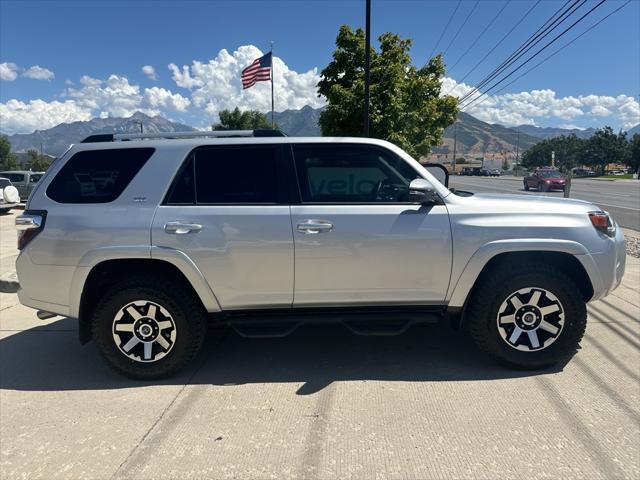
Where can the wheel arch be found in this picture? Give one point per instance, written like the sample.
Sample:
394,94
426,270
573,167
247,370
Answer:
101,275
571,257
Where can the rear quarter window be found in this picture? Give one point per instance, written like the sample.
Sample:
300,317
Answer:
13,177
97,176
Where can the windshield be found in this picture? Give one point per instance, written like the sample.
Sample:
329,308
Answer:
549,174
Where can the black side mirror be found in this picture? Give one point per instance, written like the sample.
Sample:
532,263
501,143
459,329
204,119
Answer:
439,171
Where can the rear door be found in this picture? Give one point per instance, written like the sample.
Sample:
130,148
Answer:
358,240
228,210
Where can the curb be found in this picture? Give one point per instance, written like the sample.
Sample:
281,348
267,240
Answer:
9,283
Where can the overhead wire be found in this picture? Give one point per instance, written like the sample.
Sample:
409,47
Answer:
556,52
445,29
475,5
475,41
536,54
545,30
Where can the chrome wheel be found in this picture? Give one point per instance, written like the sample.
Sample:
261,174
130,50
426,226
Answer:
144,331
530,319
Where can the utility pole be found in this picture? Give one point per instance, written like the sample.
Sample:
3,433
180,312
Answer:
455,143
515,169
367,66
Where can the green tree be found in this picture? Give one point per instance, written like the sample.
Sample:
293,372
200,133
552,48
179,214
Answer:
633,156
569,152
405,107
605,147
8,161
37,162
238,120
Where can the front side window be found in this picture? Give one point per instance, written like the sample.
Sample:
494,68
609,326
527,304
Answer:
97,176
351,174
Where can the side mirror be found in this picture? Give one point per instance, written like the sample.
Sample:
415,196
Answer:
439,171
420,191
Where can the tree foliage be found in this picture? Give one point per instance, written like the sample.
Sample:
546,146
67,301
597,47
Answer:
8,161
37,162
602,148
405,103
238,120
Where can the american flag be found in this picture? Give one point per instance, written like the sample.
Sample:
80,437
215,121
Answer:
258,71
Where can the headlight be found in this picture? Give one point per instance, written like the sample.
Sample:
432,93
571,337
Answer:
603,222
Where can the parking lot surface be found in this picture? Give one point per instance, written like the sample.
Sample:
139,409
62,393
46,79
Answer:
323,403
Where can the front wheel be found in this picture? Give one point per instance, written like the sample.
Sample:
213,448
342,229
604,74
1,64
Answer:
529,318
526,186
148,328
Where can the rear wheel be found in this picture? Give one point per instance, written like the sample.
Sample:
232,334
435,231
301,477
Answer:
530,318
526,186
148,328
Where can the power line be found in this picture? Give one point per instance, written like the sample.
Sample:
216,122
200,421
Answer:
537,53
461,27
501,40
445,29
481,34
557,51
551,24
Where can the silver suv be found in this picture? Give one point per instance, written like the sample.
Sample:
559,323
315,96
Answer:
147,241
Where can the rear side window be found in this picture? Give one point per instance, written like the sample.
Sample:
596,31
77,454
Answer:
13,177
97,176
227,175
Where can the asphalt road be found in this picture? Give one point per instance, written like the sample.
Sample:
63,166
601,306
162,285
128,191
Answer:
620,198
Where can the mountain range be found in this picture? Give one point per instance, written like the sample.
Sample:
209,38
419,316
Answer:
473,136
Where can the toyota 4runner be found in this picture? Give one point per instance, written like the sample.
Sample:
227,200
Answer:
148,240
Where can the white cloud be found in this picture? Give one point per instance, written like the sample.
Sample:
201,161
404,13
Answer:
215,85
90,81
18,117
540,106
8,71
69,83
150,72
161,98
36,72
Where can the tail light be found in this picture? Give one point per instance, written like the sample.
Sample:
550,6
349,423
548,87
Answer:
29,225
602,222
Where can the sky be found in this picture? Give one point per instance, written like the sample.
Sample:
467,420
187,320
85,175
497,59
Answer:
63,61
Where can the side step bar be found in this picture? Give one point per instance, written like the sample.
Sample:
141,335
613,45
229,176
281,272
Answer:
370,321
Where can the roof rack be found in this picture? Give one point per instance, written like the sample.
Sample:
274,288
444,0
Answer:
114,137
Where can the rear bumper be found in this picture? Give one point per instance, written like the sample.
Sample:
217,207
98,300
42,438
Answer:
44,287
7,206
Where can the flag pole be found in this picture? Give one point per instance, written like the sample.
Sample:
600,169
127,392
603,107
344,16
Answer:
273,123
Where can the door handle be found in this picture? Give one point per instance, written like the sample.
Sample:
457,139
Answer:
180,228
314,227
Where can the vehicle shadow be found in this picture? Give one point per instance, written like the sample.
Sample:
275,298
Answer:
50,358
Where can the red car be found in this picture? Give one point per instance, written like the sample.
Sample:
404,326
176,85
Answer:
545,180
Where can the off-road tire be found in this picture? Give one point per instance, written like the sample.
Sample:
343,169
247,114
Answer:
187,312
496,286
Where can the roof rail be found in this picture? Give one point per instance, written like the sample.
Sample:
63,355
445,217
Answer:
113,137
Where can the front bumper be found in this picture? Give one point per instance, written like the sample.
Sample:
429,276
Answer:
610,265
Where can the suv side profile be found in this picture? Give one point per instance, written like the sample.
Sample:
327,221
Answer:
149,241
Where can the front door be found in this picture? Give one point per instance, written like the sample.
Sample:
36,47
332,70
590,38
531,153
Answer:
228,211
358,239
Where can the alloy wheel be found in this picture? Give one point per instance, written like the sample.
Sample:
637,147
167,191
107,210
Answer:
530,319
144,331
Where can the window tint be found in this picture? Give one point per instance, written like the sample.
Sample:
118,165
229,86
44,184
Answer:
4,182
182,191
351,174
34,178
97,176
13,177
234,174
